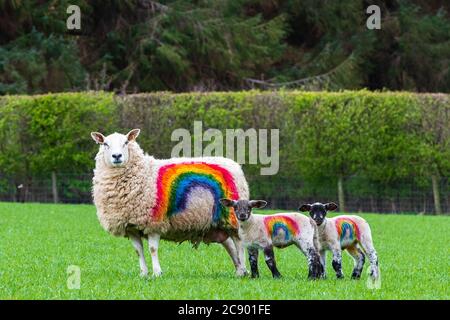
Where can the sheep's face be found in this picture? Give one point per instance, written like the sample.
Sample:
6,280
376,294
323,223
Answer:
115,147
318,211
243,208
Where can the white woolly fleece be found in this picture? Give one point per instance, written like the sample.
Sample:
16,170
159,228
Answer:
124,196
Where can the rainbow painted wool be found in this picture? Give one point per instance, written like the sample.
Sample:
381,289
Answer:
348,231
281,224
176,181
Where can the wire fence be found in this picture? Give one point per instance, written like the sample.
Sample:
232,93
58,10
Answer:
409,196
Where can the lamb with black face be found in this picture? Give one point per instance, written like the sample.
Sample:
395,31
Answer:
264,232
345,232
318,211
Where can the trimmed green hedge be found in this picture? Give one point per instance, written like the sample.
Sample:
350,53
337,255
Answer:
45,133
383,138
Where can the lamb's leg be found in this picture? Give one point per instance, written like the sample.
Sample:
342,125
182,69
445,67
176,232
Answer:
373,259
137,244
241,271
337,262
253,257
323,261
270,261
315,268
358,257
228,244
153,243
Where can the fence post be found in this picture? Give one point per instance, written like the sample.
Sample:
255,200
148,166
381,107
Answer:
54,188
436,195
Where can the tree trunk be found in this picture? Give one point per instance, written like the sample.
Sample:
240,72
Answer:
341,193
436,195
54,188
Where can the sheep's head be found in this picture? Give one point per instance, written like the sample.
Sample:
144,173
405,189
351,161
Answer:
243,208
318,211
115,147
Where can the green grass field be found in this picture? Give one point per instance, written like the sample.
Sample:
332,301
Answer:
39,242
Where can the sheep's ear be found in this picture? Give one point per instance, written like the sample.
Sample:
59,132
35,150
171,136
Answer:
98,137
227,202
258,203
133,134
305,207
330,206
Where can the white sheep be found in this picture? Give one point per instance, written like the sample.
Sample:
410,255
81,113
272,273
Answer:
344,232
263,232
174,199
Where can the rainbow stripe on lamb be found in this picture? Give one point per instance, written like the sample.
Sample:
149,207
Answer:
175,182
348,231
276,223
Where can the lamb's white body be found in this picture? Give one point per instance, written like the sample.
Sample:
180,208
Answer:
262,232
254,232
334,237
126,198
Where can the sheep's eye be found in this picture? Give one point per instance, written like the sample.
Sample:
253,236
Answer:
126,142
106,145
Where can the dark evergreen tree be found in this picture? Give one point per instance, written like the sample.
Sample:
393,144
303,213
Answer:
185,45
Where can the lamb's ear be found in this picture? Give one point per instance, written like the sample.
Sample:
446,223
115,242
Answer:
330,206
258,203
305,207
227,202
98,137
133,134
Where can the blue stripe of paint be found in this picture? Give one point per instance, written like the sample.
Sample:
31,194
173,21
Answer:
190,182
276,228
347,226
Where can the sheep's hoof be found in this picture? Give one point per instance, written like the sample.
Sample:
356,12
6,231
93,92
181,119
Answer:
277,276
144,274
157,274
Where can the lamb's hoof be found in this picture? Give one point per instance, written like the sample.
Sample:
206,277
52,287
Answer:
340,276
143,274
356,276
255,276
277,276
313,275
241,273
374,274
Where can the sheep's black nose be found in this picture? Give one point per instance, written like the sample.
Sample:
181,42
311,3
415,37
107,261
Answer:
117,156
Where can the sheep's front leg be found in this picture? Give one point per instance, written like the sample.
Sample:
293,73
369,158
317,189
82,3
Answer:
241,270
253,257
153,244
270,261
337,262
229,246
137,244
